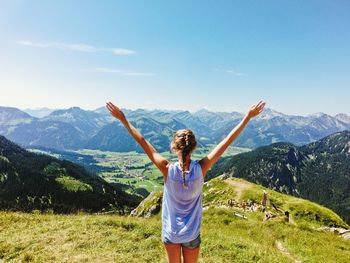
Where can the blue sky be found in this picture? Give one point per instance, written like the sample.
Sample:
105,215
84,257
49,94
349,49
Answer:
219,55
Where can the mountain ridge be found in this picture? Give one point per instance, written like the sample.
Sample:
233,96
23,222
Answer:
318,171
84,129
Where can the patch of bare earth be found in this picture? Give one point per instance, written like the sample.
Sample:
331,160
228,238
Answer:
240,187
285,252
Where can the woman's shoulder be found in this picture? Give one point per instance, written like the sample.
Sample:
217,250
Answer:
177,165
197,167
174,168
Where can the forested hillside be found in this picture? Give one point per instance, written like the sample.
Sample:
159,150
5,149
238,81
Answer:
319,171
29,181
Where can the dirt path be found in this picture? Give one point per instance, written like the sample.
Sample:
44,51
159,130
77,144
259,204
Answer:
285,252
239,187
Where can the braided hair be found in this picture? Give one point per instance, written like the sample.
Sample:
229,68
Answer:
184,142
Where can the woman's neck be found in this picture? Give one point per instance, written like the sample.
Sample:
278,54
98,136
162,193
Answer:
187,162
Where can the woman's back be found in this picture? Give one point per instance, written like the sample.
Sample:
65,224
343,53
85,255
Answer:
182,206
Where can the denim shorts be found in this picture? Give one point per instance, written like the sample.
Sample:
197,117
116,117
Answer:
192,244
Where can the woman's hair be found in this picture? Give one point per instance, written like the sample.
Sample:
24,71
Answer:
184,142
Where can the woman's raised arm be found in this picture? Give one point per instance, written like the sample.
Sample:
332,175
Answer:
208,161
155,157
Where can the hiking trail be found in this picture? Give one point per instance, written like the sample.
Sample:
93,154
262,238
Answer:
239,187
285,252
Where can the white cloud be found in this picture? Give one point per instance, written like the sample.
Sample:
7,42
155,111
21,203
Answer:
229,71
30,43
82,48
233,72
122,51
77,47
122,72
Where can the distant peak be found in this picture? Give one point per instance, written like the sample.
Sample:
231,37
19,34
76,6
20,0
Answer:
202,110
343,117
269,110
318,114
342,114
75,109
69,110
38,108
269,113
14,111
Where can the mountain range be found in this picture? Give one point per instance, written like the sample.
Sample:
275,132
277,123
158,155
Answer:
75,128
319,171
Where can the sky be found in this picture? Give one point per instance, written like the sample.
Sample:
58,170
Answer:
219,55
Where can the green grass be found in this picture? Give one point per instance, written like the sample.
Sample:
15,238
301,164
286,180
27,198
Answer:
216,192
111,238
73,185
225,237
301,209
4,159
77,238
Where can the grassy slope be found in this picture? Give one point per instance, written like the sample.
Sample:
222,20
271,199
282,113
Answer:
225,238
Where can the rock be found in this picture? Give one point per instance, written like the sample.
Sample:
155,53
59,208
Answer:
346,235
342,232
153,210
149,206
224,176
240,215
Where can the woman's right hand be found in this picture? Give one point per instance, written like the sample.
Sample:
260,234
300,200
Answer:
115,111
256,109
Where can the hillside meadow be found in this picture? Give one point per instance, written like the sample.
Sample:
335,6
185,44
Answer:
36,237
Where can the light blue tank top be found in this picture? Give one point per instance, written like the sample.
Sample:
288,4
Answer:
182,207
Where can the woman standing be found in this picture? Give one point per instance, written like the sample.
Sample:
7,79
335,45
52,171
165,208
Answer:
183,183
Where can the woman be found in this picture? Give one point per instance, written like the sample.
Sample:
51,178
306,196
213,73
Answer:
182,197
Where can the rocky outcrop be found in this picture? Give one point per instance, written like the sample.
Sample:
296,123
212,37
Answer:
342,232
149,206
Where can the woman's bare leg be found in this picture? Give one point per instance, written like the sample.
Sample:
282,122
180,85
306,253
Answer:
174,252
190,254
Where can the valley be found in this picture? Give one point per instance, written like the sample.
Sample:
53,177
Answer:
132,169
